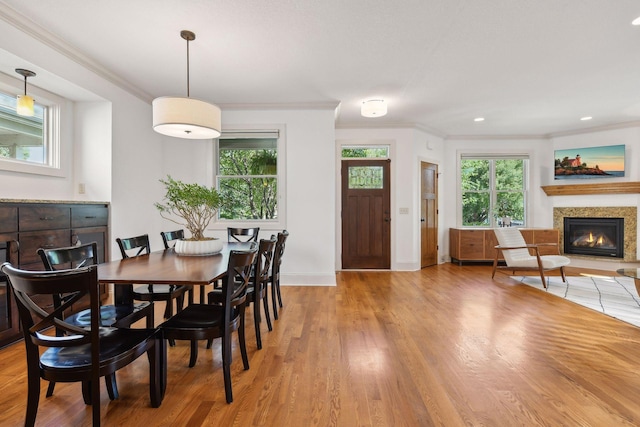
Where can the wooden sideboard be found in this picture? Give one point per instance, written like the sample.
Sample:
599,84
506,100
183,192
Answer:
478,245
45,225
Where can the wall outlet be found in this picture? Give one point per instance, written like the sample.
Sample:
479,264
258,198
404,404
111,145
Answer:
81,188
404,211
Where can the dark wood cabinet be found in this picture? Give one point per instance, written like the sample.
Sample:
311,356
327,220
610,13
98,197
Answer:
46,225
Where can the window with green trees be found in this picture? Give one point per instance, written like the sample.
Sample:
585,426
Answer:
493,191
247,177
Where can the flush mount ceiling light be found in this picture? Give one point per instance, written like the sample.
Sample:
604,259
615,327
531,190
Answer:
186,117
373,108
24,103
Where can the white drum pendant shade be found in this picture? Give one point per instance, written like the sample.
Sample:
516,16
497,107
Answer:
186,118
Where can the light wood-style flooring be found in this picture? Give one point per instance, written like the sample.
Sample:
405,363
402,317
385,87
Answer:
445,346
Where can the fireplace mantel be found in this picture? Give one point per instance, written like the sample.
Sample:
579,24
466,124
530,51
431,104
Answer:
579,189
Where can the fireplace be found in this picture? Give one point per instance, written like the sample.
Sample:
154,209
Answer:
600,237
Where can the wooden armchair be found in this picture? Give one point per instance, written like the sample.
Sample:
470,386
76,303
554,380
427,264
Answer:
518,255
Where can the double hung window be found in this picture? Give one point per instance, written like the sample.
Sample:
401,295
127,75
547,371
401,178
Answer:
250,172
493,190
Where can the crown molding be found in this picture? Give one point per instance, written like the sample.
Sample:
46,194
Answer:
331,105
493,137
613,126
51,40
387,125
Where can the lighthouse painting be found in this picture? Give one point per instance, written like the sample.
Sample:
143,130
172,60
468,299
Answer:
590,162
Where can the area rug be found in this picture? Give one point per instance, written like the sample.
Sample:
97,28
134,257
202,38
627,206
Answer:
613,296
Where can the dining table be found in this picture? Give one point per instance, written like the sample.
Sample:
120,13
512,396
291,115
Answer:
165,267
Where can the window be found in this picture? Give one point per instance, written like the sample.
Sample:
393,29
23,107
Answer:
249,177
374,152
29,144
493,190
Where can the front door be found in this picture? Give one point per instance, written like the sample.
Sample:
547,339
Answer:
366,214
428,214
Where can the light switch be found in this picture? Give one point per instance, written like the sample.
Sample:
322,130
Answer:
404,211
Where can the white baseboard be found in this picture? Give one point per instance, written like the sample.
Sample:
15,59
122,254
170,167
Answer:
308,279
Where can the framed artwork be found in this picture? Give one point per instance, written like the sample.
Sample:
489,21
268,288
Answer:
589,162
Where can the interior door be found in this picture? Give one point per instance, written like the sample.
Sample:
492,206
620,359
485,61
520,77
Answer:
366,214
428,214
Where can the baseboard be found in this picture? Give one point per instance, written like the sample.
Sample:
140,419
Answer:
308,279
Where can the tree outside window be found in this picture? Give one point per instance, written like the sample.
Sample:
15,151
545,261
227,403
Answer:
247,178
493,192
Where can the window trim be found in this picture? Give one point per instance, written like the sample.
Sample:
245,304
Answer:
248,131
493,192
56,109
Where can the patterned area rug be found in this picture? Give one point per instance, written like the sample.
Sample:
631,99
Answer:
614,296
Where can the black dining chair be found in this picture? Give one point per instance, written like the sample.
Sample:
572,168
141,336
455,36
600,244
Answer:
257,292
210,321
171,236
236,234
139,245
275,271
83,354
83,256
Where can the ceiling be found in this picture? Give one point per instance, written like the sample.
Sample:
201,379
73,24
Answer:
530,68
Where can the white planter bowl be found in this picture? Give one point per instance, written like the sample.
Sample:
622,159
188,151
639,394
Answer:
198,247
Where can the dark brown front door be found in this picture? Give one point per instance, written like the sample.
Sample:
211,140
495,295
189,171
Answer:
366,214
428,214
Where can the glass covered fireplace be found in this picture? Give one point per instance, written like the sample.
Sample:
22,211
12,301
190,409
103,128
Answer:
603,237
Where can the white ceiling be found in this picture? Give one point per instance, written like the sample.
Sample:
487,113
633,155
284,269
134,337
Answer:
529,67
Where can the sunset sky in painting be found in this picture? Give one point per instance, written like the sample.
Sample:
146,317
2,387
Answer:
608,158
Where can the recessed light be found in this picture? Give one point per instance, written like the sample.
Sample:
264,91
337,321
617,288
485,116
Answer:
479,119
636,21
584,119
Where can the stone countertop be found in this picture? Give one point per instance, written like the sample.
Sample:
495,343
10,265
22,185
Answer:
66,202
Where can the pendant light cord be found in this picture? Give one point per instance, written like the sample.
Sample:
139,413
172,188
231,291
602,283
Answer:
188,94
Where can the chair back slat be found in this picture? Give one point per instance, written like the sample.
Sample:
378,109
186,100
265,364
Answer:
235,234
138,245
171,236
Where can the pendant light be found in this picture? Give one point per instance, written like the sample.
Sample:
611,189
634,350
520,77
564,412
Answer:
24,103
186,117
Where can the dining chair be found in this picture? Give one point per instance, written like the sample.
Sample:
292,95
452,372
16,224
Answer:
235,234
83,256
258,286
210,321
172,236
83,354
517,255
139,245
274,277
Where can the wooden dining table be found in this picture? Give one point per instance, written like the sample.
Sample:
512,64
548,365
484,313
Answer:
165,267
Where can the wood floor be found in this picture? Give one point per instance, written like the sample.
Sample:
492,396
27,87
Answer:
445,346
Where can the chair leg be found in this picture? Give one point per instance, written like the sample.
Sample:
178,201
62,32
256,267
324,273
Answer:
33,398
278,290
564,278
242,342
544,282
179,303
256,322
194,353
226,367
266,311
495,266
52,385
273,299
112,386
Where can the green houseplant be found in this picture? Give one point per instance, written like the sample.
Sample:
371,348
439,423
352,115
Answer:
196,205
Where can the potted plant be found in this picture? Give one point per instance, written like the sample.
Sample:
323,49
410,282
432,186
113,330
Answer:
197,205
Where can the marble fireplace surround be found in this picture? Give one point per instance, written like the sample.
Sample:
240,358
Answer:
629,213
